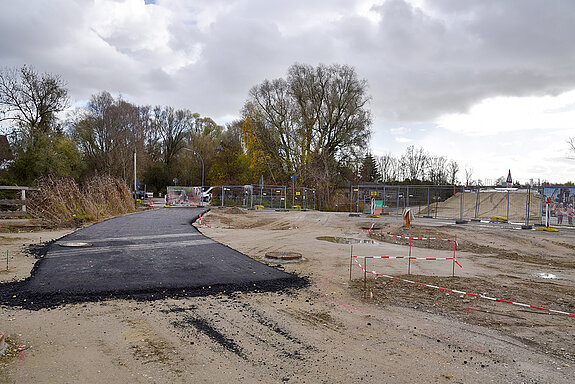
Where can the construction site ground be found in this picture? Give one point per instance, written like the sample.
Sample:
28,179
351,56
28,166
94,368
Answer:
335,330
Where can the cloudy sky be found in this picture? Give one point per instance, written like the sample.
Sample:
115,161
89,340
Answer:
488,83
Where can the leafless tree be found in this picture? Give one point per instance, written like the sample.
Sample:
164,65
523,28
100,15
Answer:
317,117
437,172
453,170
31,100
333,110
468,176
414,163
387,165
108,131
171,127
278,133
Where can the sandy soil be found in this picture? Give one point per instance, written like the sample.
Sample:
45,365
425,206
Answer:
335,330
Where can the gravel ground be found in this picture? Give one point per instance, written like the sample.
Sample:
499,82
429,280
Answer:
332,331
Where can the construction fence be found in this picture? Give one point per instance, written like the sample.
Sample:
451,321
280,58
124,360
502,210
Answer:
244,196
529,205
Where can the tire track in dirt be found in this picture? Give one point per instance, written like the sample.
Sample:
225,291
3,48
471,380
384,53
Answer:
243,329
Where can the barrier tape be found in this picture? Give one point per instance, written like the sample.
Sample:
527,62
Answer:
408,258
405,257
319,286
408,237
480,296
467,293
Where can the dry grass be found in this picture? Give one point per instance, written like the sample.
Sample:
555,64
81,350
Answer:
62,202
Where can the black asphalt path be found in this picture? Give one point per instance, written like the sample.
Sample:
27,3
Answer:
147,255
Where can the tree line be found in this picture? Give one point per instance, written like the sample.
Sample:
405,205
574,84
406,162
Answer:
314,124
415,166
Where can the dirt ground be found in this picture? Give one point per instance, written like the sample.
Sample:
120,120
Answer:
333,331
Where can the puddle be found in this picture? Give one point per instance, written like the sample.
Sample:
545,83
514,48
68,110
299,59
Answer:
546,275
345,240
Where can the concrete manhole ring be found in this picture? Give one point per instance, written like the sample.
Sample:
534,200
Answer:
283,256
74,244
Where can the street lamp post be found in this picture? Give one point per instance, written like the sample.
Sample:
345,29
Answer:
202,160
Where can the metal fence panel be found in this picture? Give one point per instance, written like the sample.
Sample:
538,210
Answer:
560,202
521,205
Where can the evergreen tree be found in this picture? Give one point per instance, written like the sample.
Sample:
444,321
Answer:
368,171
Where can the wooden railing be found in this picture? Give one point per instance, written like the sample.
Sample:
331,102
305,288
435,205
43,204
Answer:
11,203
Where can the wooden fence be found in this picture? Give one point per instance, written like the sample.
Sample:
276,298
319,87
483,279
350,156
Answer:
15,207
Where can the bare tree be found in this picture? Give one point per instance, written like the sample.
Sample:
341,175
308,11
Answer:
468,176
316,118
332,104
387,165
279,133
414,162
171,127
108,131
453,170
437,172
31,100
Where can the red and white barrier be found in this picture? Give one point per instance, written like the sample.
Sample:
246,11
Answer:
479,295
410,257
377,275
410,238
381,234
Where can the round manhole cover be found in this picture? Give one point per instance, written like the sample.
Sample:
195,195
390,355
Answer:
283,256
74,244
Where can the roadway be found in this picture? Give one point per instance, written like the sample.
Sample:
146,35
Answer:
148,255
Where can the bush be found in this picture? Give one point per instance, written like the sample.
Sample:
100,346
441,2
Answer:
60,201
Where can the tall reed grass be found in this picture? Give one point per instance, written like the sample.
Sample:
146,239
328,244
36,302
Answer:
61,202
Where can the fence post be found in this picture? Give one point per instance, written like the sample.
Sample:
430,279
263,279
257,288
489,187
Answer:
461,203
384,200
397,204
542,194
223,189
527,208
507,217
350,197
477,202
23,200
365,276
350,261
409,259
407,197
428,202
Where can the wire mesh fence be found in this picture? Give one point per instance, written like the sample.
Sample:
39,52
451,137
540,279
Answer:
549,205
529,205
244,196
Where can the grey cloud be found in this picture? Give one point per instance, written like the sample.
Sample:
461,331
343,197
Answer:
448,61
420,63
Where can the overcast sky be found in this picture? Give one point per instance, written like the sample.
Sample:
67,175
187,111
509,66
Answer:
488,83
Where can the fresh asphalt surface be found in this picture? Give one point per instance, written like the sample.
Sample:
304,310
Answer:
148,255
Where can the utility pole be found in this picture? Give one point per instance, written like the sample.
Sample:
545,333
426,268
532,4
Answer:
135,182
